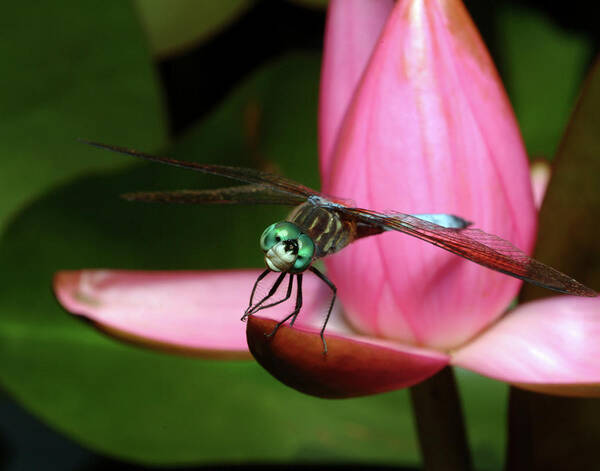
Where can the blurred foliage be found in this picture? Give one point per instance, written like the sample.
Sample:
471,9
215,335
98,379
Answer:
177,25
71,70
484,409
197,82
543,66
567,438
312,3
573,195
79,70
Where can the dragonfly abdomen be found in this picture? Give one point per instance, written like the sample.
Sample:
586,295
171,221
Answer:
329,232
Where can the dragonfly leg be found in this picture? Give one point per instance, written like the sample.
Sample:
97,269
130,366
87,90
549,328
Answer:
294,314
271,292
260,277
287,296
334,290
296,310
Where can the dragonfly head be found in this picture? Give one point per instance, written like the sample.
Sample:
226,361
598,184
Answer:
286,248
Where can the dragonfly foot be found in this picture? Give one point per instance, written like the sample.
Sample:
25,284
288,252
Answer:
324,344
273,331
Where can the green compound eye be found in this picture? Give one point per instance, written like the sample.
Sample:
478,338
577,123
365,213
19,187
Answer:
277,232
267,239
306,250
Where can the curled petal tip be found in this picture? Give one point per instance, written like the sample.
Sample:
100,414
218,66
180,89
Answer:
65,285
350,368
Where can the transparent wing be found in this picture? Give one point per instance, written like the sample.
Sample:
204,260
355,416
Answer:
475,245
246,194
248,175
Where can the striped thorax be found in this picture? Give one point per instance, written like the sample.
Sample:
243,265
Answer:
329,232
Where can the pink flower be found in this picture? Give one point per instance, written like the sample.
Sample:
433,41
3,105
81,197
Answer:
425,127
540,177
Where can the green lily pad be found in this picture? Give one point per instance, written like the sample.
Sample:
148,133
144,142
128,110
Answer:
71,69
543,67
155,408
178,24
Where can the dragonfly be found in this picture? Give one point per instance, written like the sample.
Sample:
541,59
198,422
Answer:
320,226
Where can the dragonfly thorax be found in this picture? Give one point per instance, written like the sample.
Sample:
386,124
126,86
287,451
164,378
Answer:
287,248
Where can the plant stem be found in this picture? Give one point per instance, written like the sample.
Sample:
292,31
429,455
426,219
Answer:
552,433
439,421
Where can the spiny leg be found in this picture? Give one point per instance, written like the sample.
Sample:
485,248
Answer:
334,289
295,312
271,293
260,277
287,296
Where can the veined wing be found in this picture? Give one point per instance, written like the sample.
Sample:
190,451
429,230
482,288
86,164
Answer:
245,194
248,175
475,245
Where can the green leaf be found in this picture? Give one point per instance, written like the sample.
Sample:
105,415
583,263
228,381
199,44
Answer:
159,409
543,66
568,240
178,24
484,406
568,229
71,69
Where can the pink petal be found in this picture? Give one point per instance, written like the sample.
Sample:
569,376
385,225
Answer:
352,29
430,130
540,177
552,346
353,366
190,312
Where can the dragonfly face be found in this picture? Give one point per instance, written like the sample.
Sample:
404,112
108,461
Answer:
286,248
